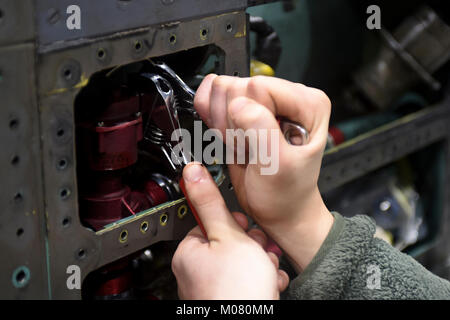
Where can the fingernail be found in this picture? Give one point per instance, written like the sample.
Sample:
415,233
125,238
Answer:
193,172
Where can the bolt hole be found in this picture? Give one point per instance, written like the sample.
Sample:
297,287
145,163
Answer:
163,219
66,222
64,193
182,211
144,227
123,236
81,254
138,46
15,160
229,27
19,232
236,73
173,39
18,197
67,74
101,53
203,34
14,124
62,164
60,132
20,277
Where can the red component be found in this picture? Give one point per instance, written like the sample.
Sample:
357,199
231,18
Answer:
116,279
337,135
108,144
155,193
111,200
104,203
112,147
115,286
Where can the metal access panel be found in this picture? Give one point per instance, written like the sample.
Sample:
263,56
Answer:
43,66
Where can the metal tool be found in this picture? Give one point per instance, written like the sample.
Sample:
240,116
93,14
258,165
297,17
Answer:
155,134
293,132
178,95
158,137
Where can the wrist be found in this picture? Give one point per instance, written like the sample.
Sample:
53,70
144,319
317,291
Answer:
301,237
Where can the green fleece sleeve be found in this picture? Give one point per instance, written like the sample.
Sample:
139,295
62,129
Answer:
352,264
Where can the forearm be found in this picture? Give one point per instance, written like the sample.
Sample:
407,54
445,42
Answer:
352,264
301,240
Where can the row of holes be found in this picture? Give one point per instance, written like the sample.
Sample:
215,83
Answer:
138,45
62,164
15,160
163,220
123,236
20,276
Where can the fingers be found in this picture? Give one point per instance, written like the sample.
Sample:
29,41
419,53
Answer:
294,101
208,202
308,106
274,259
259,236
283,280
241,219
202,97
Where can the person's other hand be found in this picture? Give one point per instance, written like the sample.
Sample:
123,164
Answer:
287,204
230,263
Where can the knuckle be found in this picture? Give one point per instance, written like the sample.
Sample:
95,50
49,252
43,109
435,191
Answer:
321,100
220,83
255,83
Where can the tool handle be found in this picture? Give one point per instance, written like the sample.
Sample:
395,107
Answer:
194,212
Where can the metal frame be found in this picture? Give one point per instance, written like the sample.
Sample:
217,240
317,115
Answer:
42,69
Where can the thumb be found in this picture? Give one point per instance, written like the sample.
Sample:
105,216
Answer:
207,200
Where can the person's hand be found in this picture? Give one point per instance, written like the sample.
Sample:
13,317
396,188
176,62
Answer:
287,204
230,263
